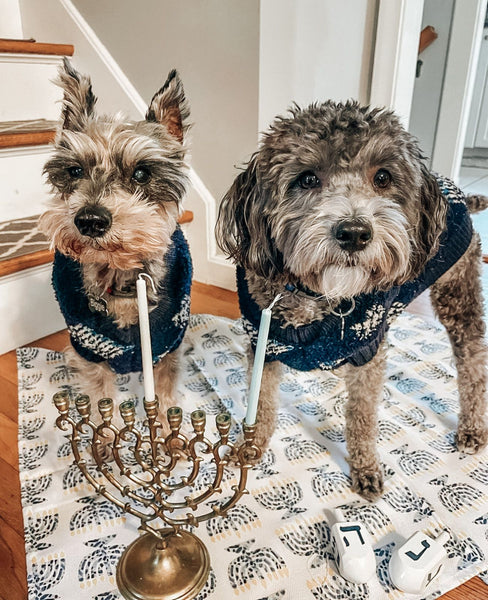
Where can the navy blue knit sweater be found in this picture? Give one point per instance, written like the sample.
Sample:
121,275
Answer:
320,343
97,338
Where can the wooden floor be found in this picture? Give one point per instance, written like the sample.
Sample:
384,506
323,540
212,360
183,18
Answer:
205,299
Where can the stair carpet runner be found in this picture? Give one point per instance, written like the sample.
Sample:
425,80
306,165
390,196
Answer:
20,237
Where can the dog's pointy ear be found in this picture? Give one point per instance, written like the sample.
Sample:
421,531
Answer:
78,100
242,230
432,218
169,107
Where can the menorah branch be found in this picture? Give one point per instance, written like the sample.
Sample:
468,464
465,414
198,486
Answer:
138,469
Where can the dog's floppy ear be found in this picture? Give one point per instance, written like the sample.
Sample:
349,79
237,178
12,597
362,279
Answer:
432,219
78,100
169,107
242,230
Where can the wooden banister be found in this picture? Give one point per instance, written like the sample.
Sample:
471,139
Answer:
427,36
32,47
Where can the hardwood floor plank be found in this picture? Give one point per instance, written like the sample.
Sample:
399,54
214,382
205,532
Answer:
9,404
8,367
10,508
13,573
474,589
57,341
214,300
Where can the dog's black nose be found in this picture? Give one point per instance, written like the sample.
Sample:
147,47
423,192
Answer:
353,235
93,221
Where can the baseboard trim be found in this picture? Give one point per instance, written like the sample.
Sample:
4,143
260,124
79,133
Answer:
21,295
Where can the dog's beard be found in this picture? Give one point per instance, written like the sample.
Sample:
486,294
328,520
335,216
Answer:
319,262
138,232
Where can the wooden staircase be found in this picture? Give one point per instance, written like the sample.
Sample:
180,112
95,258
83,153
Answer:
26,133
28,114
22,246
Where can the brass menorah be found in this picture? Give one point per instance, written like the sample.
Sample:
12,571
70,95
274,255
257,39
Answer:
136,469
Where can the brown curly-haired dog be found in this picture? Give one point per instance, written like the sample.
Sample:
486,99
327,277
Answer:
338,213
118,187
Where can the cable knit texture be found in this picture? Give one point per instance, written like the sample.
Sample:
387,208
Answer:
97,338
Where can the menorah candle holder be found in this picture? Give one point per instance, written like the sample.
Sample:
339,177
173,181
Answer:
138,469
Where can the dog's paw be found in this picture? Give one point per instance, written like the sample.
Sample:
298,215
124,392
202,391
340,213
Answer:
471,440
367,482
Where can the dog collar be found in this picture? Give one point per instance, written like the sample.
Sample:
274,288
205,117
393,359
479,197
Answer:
127,291
303,290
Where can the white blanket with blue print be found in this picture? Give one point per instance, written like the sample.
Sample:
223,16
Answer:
275,544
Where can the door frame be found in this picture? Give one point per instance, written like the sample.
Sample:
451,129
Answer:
393,77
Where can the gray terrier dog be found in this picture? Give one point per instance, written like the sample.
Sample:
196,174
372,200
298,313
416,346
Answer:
338,213
118,188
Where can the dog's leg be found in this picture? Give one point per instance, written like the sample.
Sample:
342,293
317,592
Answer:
165,379
364,387
268,400
458,302
98,380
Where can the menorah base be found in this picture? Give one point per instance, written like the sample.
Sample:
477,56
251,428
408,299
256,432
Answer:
174,569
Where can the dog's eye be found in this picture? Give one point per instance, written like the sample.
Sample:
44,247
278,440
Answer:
75,172
308,180
141,175
382,179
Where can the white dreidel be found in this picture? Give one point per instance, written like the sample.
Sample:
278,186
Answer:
353,551
418,562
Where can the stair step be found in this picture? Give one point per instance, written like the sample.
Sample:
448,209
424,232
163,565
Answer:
23,189
26,133
23,246
21,243
32,47
26,261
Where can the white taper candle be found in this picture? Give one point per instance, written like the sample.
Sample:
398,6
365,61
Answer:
146,351
257,370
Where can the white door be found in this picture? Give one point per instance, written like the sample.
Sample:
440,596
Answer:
481,137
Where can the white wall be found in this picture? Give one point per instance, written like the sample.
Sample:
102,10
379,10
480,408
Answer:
47,21
10,21
395,56
214,45
314,50
462,59
242,63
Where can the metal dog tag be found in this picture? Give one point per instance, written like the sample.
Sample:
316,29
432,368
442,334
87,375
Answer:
98,305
